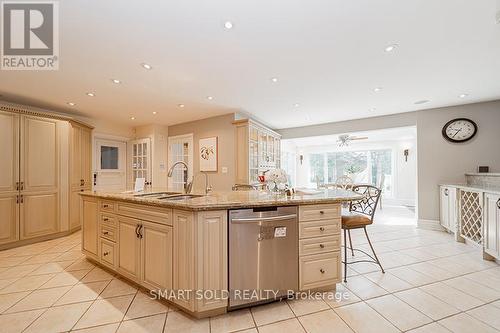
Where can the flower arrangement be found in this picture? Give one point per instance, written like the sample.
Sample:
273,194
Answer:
276,180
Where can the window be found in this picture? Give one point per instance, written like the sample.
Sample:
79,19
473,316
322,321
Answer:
317,165
109,158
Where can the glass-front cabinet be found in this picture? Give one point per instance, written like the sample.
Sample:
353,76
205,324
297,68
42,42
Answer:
258,150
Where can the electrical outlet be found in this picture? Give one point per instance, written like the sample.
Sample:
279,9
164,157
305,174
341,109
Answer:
224,169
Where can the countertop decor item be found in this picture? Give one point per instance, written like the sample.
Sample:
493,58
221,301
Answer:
208,154
459,130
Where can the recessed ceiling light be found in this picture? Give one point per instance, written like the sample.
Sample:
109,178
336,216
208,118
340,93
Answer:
422,101
132,118
154,112
377,89
90,94
296,105
146,66
274,79
116,81
390,48
372,109
71,104
463,95
210,98
228,25
181,105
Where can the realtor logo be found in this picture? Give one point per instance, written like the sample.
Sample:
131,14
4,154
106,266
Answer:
30,35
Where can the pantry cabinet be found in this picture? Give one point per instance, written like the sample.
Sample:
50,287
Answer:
492,224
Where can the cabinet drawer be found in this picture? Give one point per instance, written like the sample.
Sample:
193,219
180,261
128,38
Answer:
319,245
146,213
319,212
108,232
107,206
319,228
108,219
319,270
108,253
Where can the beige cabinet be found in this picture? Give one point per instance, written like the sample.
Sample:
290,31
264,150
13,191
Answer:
129,253
156,255
448,208
258,150
492,224
80,170
90,218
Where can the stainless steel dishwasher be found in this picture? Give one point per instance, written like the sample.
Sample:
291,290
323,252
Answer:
263,254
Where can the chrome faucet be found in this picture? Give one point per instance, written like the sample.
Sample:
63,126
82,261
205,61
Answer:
188,186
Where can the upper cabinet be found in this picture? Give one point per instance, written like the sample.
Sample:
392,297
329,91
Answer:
258,150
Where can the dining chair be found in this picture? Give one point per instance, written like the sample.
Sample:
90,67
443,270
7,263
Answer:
360,215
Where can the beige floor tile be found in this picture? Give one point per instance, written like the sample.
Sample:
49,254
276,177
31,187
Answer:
431,328
287,326
388,281
97,274
452,296
80,265
488,314
324,322
473,288
486,279
51,267
180,322
105,311
65,279
17,322
463,323
39,299
270,313
6,282
18,271
59,318
143,305
434,271
118,288
427,304
411,276
42,258
342,296
398,312
232,321
308,305
27,283
363,319
70,255
8,300
13,261
153,324
82,292
110,328
364,288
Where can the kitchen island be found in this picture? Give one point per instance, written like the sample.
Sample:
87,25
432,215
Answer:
177,246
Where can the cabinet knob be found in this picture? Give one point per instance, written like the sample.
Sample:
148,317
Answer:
105,219
105,206
322,246
321,229
106,233
322,271
105,253
446,191
321,212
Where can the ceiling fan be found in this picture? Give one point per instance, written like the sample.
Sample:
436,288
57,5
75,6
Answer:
344,139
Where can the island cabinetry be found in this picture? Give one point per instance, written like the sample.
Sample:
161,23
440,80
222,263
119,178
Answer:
90,224
319,246
449,208
492,225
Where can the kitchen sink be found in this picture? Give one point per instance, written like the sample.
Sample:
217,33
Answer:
156,194
181,197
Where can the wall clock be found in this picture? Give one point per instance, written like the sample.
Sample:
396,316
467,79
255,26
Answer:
459,130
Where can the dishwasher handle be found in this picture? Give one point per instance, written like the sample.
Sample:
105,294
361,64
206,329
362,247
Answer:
263,219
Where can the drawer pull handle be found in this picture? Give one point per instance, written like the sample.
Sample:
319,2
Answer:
321,212
322,271
105,206
105,219
322,246
105,253
321,229
106,233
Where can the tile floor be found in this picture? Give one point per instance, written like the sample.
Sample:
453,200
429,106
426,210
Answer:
432,284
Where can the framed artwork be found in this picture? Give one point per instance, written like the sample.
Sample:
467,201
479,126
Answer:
208,154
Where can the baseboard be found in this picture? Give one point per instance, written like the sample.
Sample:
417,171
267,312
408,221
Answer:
430,225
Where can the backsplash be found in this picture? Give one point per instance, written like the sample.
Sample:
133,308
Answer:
486,179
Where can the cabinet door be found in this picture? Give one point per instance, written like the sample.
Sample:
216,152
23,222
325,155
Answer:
86,157
492,220
74,209
9,212
156,256
184,252
129,249
76,157
444,207
39,214
90,217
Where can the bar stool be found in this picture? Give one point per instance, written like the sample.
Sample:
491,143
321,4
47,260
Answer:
360,215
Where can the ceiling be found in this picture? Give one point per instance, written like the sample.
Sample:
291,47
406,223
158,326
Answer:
328,57
397,134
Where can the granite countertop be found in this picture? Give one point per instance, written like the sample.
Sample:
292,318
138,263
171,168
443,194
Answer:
481,188
230,200
484,174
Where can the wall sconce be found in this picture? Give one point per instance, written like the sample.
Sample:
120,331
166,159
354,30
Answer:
301,158
406,152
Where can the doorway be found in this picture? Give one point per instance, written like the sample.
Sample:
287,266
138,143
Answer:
110,170
180,148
